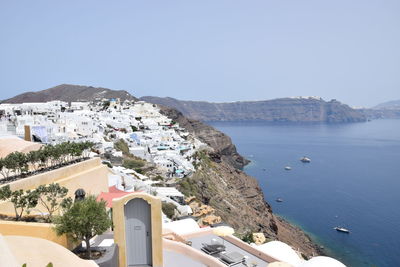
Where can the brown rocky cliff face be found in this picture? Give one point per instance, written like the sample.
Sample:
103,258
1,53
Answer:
220,142
276,110
236,197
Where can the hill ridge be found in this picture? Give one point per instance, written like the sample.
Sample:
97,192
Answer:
69,93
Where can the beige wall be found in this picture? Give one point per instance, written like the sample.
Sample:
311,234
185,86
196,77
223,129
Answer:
156,226
18,250
40,230
91,175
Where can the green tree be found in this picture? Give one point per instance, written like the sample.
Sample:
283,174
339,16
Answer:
3,169
5,192
52,197
11,163
33,158
22,201
83,220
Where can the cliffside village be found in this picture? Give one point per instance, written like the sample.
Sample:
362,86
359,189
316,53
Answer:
123,131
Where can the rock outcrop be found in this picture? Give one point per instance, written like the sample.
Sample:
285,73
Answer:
220,142
300,109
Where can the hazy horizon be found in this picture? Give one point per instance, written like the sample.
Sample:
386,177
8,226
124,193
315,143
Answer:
216,51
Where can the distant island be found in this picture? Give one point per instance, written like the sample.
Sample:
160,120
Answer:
386,110
293,109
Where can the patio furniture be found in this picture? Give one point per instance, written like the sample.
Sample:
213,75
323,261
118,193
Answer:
213,249
232,258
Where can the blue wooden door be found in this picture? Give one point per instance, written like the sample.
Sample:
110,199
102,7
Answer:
138,232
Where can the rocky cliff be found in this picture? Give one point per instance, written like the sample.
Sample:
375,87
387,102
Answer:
220,142
373,114
70,93
236,197
300,109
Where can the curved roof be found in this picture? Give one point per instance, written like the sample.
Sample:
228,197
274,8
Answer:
39,252
280,251
182,227
322,261
279,264
12,144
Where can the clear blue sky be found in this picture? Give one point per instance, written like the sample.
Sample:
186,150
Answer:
213,50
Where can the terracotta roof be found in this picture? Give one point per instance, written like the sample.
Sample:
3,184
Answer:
112,193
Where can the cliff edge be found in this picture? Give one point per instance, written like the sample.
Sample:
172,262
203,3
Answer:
298,109
236,196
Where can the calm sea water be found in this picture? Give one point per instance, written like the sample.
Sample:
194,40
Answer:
352,181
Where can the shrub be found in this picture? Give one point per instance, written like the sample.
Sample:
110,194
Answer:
168,209
187,186
121,145
133,164
248,237
158,178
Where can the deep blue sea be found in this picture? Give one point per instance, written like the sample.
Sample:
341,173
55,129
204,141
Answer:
353,180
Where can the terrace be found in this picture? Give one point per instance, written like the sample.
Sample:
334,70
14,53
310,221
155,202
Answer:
249,259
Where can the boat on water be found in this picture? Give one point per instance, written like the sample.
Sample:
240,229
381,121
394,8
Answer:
342,229
288,168
305,159
279,199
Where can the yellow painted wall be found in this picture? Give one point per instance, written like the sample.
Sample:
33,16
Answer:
91,175
40,230
156,226
38,252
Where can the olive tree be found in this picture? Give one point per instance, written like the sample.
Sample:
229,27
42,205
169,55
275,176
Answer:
53,197
84,220
22,200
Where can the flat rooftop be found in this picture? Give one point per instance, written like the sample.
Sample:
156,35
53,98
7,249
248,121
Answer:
198,241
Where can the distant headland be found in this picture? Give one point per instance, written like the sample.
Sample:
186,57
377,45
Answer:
290,109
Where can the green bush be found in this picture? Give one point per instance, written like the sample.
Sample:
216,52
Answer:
158,178
168,209
133,164
187,186
121,145
248,237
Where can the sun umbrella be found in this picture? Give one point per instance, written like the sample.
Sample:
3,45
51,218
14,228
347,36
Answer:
223,231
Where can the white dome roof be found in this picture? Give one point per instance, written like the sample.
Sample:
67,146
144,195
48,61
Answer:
281,252
322,261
